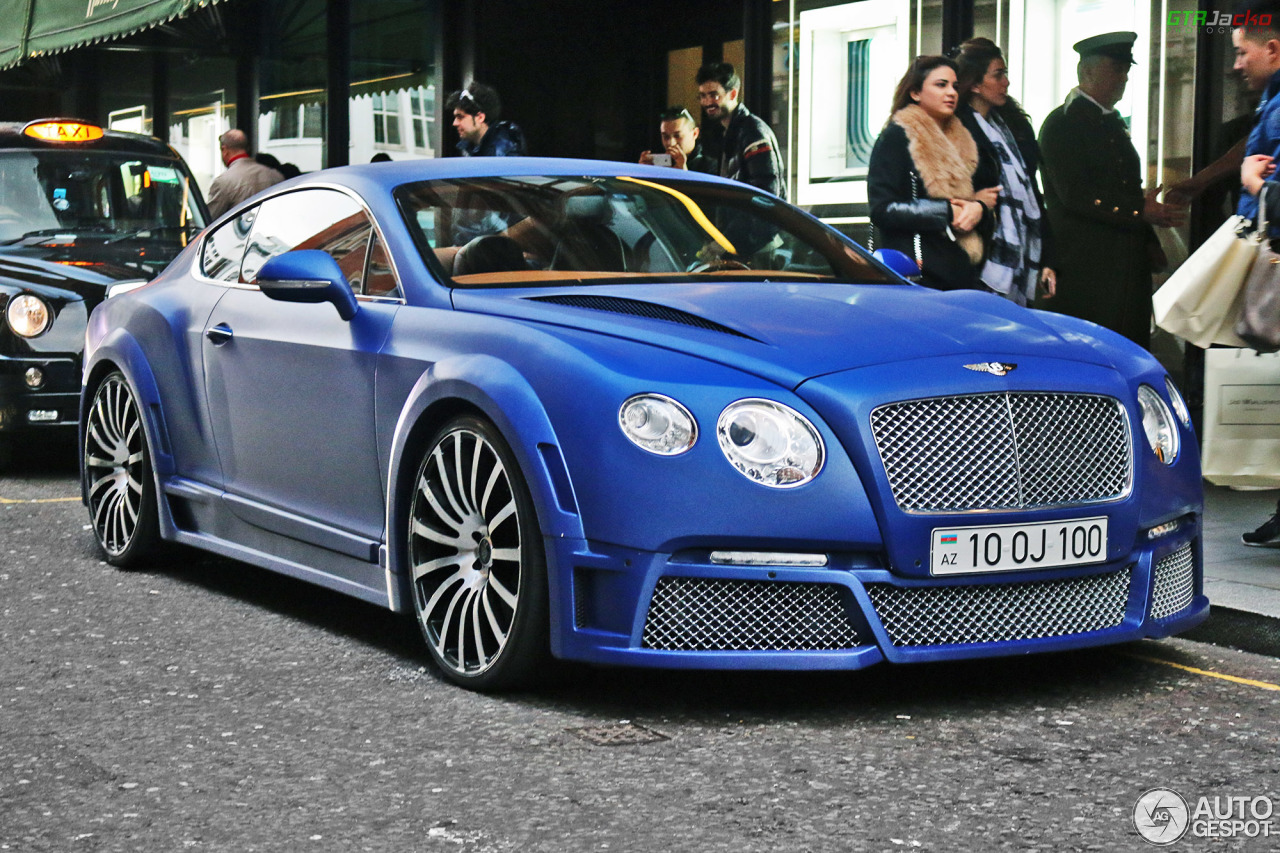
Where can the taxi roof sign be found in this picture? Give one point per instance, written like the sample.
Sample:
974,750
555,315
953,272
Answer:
63,130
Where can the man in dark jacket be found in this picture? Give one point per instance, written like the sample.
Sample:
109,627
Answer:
475,116
679,134
1101,220
750,150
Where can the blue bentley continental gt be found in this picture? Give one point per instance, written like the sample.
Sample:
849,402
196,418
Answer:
630,415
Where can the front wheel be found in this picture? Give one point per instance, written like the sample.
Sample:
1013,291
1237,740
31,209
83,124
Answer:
117,475
476,558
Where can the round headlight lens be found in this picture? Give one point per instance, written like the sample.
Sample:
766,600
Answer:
1157,423
1179,405
657,424
28,315
770,443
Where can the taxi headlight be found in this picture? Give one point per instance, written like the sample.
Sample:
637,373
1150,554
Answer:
770,443
29,316
1157,423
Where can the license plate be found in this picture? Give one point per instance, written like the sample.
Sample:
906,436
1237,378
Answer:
1015,547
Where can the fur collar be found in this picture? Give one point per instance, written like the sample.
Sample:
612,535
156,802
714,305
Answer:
946,160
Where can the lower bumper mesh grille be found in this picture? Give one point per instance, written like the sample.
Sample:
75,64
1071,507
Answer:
714,614
992,613
1175,584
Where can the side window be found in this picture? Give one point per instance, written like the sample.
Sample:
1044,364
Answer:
310,219
225,247
380,280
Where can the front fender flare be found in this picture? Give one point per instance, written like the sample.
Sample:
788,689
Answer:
499,392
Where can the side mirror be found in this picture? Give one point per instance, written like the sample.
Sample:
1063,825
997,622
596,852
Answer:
308,275
898,262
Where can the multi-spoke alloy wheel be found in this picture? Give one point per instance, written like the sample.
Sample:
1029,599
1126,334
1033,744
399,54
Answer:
479,579
117,473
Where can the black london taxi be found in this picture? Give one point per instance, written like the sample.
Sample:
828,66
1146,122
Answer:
83,211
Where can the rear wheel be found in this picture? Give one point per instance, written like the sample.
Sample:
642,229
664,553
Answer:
476,558
117,474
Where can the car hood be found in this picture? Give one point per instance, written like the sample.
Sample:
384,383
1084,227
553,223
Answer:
790,332
111,259
90,283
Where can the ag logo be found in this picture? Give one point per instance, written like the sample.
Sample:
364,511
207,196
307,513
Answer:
995,368
1161,816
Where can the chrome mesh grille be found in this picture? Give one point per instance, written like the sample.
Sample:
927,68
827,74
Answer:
992,613
1175,583
714,614
1003,451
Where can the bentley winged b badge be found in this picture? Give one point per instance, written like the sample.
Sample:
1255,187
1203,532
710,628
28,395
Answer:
995,368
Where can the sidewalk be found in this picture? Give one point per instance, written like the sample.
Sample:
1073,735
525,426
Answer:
1237,576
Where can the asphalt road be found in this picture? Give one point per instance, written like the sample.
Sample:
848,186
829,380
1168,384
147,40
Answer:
208,705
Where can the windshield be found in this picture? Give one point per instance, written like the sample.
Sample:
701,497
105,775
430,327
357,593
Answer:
552,230
77,191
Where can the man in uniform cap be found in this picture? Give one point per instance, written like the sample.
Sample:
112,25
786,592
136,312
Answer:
1101,220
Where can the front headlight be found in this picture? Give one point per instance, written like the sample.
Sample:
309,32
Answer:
657,424
1179,405
770,443
1157,423
28,315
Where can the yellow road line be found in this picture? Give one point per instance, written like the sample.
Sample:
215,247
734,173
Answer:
37,500
1263,685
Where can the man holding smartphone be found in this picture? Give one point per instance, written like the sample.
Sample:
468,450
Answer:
679,134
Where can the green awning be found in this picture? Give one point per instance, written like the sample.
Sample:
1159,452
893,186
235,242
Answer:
34,28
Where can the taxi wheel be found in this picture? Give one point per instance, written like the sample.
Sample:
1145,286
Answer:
476,560
118,479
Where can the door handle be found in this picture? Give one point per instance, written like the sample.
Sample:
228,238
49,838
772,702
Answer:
219,334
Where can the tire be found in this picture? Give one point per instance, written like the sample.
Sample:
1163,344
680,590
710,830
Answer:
119,482
476,562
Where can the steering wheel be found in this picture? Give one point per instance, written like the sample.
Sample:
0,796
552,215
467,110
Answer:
718,264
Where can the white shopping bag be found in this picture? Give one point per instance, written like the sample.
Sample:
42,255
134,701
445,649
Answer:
1202,299
1241,442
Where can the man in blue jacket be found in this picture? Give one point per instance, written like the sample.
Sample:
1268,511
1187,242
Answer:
1257,45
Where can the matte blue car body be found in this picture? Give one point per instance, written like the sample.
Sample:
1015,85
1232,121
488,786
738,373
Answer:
614,518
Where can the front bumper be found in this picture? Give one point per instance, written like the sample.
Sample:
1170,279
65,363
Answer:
53,404
677,611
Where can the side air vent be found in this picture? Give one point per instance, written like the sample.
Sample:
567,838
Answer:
636,308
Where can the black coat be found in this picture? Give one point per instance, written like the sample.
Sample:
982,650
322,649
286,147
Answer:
900,211
1093,189
1024,134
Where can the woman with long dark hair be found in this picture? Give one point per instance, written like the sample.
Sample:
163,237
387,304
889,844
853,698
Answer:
930,193
1018,253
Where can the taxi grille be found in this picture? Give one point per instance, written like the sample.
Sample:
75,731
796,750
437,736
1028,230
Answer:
1003,451
1175,583
716,614
993,613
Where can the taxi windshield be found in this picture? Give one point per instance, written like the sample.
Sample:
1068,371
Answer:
124,195
540,230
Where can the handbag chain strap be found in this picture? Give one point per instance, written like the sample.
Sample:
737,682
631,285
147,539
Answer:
916,236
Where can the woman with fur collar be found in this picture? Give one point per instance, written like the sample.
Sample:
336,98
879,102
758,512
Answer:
930,192
1019,254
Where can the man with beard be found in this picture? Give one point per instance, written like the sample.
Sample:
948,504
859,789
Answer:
750,151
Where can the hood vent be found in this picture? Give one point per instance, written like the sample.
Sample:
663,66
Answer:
636,308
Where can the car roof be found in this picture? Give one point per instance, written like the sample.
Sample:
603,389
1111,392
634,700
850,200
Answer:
409,171
11,136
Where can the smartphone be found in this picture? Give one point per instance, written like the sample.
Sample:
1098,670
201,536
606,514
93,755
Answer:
661,159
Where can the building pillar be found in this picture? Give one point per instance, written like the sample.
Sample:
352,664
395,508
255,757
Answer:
757,77
957,25
160,96
337,133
